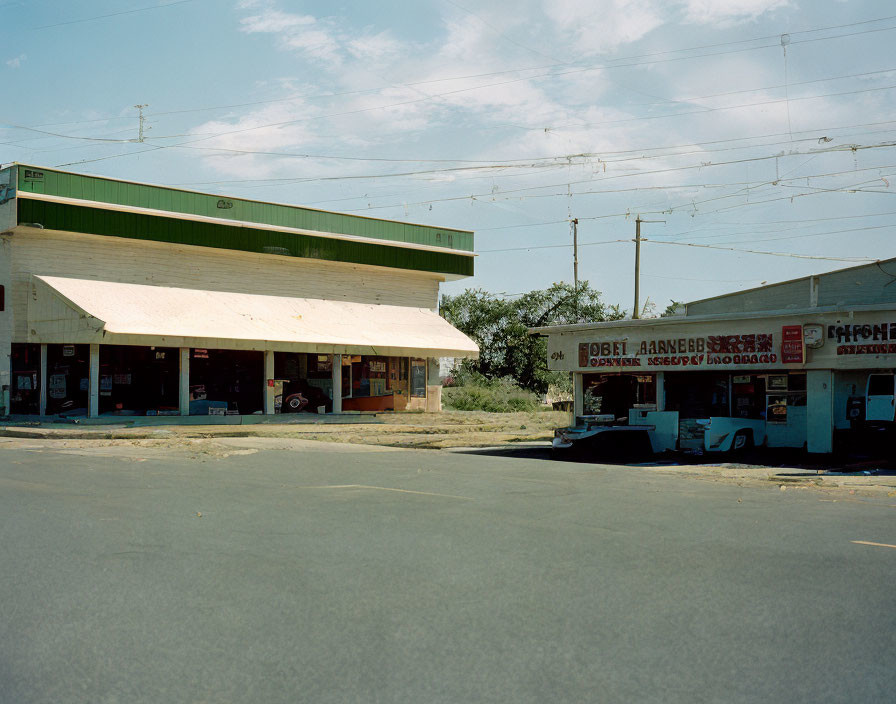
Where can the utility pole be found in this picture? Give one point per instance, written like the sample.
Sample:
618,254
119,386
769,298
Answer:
142,120
636,311
574,224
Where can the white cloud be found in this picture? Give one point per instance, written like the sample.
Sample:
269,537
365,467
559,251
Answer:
302,33
728,12
16,62
600,26
274,21
375,47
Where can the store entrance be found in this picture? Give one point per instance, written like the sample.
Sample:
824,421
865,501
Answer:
68,369
226,382
616,394
136,381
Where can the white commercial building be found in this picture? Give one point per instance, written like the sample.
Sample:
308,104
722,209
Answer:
120,298
781,365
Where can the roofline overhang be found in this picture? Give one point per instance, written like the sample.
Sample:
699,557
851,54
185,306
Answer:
220,195
721,317
100,205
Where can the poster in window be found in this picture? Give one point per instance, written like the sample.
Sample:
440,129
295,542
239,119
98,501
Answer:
56,386
26,381
418,378
776,409
778,381
377,366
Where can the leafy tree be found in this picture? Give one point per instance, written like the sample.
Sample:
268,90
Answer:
500,327
671,309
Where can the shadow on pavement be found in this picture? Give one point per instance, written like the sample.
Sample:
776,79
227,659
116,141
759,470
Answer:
759,457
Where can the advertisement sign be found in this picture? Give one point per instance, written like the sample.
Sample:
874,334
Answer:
745,349
792,344
56,386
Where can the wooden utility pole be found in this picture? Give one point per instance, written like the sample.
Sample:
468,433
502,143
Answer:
636,311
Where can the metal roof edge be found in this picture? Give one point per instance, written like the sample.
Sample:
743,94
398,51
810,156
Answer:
672,320
788,281
249,224
248,200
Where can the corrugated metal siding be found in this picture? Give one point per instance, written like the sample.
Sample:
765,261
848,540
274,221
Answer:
159,264
862,286
113,223
145,196
856,286
782,296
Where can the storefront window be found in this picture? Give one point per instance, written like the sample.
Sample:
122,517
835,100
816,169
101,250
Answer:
307,382
139,380
785,391
24,391
226,382
748,396
68,367
697,394
369,376
616,394
418,378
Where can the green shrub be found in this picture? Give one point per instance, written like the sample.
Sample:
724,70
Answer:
495,396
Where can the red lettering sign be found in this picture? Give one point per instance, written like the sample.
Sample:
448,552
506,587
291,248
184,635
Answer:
792,344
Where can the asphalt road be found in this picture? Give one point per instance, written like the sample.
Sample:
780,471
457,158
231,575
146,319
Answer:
339,574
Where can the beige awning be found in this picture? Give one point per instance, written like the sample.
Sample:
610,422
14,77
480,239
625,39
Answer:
82,311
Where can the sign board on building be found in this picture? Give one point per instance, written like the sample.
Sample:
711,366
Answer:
813,336
792,344
869,338
745,349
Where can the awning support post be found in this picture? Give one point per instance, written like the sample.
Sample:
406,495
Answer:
337,383
268,385
93,384
183,394
578,397
42,408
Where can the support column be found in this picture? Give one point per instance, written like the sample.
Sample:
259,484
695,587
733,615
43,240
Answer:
433,386
268,383
820,410
661,391
43,381
337,383
93,384
578,396
183,393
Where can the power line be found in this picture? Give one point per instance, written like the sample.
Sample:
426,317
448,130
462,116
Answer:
771,254
548,246
113,14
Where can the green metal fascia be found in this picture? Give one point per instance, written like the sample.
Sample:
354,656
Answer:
115,223
69,185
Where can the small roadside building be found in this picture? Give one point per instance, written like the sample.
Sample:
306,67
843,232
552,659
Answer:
782,362
121,298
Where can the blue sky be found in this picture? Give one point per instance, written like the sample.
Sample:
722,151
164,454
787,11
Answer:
760,125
